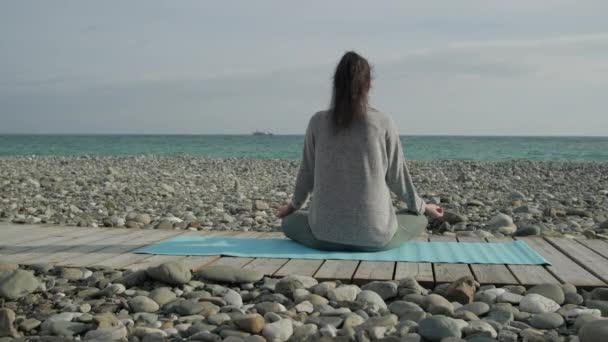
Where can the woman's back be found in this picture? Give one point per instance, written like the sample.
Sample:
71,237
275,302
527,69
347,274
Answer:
352,203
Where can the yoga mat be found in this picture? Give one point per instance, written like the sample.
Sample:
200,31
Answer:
514,253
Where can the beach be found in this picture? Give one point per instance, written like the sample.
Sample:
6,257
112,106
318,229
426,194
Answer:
171,302
482,198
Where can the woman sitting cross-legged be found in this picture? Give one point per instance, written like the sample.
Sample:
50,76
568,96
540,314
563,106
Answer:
352,160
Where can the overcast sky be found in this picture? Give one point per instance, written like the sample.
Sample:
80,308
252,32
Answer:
467,67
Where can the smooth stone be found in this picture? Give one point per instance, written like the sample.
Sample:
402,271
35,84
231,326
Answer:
409,285
107,334
478,308
462,290
438,327
403,308
172,272
594,331
145,332
546,321
193,307
29,324
501,316
251,323
278,331
7,323
230,274
370,298
601,305
600,293
385,289
304,332
437,304
143,304
352,320
509,297
502,223
16,284
233,298
481,328
162,295
344,293
573,298
551,291
537,304
304,306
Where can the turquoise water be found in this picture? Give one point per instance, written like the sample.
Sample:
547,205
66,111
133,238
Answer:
290,146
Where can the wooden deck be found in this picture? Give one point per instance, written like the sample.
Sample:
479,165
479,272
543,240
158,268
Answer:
583,263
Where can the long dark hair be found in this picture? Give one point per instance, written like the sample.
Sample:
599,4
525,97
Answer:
351,87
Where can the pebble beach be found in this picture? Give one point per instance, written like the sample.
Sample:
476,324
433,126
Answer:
172,303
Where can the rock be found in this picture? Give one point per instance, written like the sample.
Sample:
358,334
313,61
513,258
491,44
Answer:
409,285
7,323
478,308
251,323
453,218
537,304
152,334
230,274
436,304
480,328
386,289
118,333
500,315
143,304
29,324
305,332
162,296
406,310
437,327
528,230
107,320
370,299
278,331
172,272
259,205
502,223
287,285
133,279
547,321
67,329
600,293
344,293
509,297
232,297
142,218
551,291
193,307
594,331
304,306
573,298
16,284
601,305
462,290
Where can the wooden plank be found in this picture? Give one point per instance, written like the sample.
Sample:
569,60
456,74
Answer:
141,239
421,271
8,234
14,251
599,246
447,273
47,250
528,275
562,267
152,260
489,274
587,258
232,261
300,267
374,270
268,266
337,270
34,235
115,236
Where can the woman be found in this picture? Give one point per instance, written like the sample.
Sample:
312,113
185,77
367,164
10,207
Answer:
352,159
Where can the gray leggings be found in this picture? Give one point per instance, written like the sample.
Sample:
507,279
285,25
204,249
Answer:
296,227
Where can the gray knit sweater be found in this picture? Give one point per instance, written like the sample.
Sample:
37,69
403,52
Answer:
350,175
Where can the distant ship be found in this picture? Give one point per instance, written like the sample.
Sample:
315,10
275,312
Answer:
263,133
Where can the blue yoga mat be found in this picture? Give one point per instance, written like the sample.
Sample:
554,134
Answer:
515,253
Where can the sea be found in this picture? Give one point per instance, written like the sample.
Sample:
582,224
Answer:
290,146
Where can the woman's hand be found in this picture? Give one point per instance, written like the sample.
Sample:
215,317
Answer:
284,210
433,211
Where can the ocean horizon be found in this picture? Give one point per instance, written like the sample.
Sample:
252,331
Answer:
289,146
